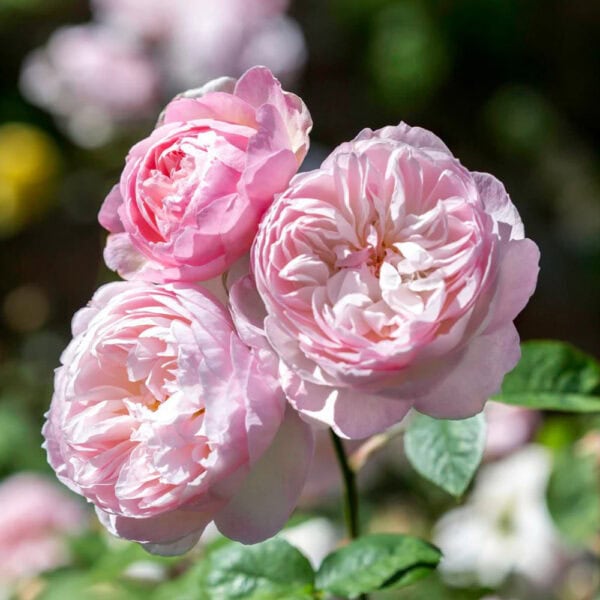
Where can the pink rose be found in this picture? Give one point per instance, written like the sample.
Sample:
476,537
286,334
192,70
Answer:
391,277
165,420
35,517
192,194
69,77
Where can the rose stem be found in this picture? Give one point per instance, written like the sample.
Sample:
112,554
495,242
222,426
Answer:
350,491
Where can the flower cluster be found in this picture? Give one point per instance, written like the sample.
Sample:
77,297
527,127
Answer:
387,279
147,49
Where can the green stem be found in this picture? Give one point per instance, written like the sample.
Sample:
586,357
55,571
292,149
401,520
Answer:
350,491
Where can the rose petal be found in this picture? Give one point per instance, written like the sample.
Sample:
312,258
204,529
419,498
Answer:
270,492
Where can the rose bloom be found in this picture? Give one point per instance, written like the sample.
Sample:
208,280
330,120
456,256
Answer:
165,420
69,78
192,194
390,278
35,517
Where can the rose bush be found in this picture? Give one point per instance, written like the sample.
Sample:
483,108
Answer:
192,193
165,420
390,278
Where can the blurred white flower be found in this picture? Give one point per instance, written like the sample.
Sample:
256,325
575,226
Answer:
504,527
315,538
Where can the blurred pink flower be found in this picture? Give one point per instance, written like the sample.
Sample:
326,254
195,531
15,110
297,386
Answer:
156,19
391,277
508,427
198,41
35,518
192,194
225,37
165,420
91,78
146,19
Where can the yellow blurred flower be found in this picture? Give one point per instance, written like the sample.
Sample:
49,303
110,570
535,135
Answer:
29,165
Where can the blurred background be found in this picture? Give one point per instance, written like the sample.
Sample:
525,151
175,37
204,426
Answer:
511,86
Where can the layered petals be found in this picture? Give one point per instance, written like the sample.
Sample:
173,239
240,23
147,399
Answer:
390,278
192,194
163,417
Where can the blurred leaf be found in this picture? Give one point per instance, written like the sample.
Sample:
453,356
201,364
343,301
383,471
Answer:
407,56
268,571
64,585
573,495
521,121
20,442
121,555
559,431
376,562
356,11
433,588
553,375
446,452
86,549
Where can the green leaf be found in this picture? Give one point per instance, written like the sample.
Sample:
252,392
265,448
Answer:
573,496
269,571
553,375
446,452
376,562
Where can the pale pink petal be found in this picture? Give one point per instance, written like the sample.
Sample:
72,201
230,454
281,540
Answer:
497,203
516,282
478,376
108,215
169,534
352,413
269,494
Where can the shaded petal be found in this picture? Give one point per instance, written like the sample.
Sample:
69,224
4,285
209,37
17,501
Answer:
464,391
351,412
109,216
168,534
497,203
269,494
516,282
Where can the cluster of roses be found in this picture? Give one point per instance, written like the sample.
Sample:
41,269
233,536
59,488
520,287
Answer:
386,279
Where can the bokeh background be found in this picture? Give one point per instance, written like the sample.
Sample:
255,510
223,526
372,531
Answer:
512,87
